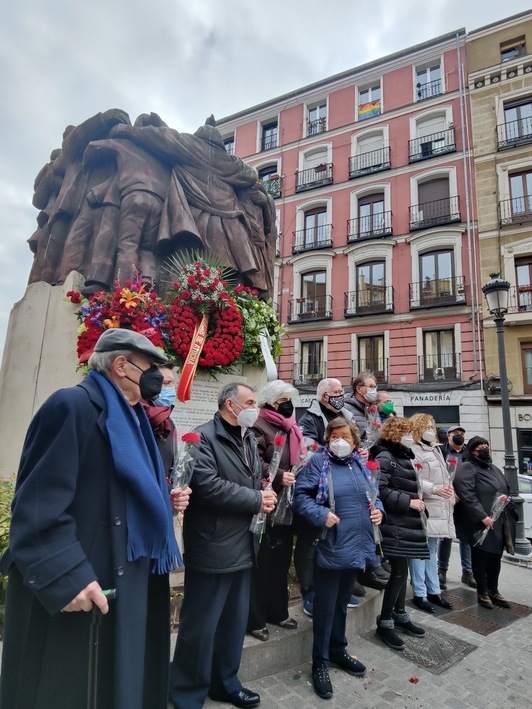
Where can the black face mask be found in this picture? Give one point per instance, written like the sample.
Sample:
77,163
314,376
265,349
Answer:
150,382
458,439
286,409
484,455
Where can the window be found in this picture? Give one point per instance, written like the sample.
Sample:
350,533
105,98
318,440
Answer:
369,102
371,285
271,180
370,155
428,82
513,48
526,355
518,123
316,228
269,136
317,119
523,273
435,205
312,367
371,215
230,145
436,275
371,356
521,194
433,137
439,357
313,290
315,170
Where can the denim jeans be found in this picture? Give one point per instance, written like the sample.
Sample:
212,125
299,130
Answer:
424,572
444,554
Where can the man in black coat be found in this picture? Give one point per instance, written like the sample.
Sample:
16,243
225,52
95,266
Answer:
91,511
220,551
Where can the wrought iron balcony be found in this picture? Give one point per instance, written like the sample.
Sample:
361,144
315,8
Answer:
272,185
371,300
430,146
317,126
436,213
369,227
305,309
367,163
515,211
514,133
309,372
428,90
439,368
314,177
319,237
437,293
520,299
377,365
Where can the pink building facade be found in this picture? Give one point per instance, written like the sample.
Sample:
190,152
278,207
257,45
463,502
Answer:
377,258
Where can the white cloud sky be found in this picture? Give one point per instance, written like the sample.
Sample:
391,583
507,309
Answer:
62,61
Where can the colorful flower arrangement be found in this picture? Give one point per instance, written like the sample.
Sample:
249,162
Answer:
201,291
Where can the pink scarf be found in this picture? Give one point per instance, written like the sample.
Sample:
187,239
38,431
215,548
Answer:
295,437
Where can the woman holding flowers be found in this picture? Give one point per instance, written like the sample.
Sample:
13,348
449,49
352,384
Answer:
275,428
438,496
477,483
333,493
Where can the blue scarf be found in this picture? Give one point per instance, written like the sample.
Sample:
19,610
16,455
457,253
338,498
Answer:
323,484
150,528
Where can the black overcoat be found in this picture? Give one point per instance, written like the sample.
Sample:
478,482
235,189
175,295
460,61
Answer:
69,528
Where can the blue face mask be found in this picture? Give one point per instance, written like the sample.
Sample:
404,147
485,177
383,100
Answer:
166,397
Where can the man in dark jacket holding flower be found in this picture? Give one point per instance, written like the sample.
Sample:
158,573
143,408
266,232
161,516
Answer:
220,552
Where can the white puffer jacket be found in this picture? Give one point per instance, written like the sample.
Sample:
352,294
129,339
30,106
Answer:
433,474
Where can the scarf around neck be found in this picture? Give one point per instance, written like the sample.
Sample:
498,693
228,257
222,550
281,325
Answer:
296,442
138,465
323,484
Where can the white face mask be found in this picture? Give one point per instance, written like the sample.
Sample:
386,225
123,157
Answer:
246,417
429,435
341,448
371,394
407,441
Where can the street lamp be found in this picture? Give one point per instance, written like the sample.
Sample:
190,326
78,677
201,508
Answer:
496,293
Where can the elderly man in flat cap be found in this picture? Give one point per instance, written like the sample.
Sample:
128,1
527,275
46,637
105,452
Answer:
92,512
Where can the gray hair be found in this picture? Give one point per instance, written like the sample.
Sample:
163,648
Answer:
324,386
103,361
230,391
275,390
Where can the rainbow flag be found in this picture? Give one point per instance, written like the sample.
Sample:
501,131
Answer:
368,110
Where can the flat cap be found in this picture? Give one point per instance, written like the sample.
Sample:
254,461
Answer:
117,338
455,428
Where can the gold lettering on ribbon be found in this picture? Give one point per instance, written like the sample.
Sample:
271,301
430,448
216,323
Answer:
191,362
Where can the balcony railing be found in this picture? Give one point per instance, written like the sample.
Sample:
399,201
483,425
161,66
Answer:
520,299
428,90
367,163
371,300
515,211
269,142
439,368
319,237
436,213
379,367
272,185
309,372
317,126
514,133
305,309
437,293
369,227
430,146
314,177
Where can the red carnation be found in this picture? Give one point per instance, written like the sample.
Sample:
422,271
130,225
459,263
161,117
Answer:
74,296
372,465
279,440
452,461
191,437
418,466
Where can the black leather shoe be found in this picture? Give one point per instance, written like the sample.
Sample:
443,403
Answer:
439,601
422,604
261,634
350,664
244,699
322,682
469,579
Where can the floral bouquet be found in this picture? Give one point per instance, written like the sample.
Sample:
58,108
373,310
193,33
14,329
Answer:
499,503
258,318
185,455
257,523
452,464
282,513
423,515
372,492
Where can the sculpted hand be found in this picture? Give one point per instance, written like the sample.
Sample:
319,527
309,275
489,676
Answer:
288,478
417,504
332,519
86,598
179,498
116,115
269,500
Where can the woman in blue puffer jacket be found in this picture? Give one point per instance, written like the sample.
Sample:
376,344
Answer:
331,495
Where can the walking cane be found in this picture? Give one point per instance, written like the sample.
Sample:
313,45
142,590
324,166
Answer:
94,639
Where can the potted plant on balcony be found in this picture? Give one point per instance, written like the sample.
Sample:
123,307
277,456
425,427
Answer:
321,167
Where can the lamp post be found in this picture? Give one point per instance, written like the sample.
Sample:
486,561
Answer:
496,293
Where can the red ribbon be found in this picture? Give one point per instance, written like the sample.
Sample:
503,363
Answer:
191,362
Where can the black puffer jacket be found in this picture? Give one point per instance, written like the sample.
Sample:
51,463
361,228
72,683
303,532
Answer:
401,529
360,413
225,496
